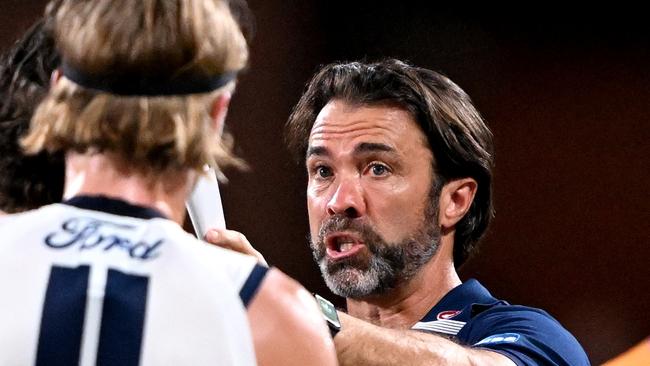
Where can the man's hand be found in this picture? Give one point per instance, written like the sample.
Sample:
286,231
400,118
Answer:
233,240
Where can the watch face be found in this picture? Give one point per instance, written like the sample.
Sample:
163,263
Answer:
329,312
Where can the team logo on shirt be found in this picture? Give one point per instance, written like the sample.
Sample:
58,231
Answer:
499,338
448,314
85,233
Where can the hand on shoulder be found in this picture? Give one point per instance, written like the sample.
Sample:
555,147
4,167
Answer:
233,240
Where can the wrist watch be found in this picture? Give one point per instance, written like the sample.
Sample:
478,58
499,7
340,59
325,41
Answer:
329,314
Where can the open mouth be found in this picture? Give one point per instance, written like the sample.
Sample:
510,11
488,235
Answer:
342,245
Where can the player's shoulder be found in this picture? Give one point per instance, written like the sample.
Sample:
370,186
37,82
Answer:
285,287
285,296
204,256
291,302
288,324
36,215
189,242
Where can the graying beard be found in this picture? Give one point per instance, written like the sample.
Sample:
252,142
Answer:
390,265
388,268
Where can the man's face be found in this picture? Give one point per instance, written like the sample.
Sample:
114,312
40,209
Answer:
372,205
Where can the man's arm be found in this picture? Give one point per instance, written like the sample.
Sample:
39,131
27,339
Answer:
287,325
360,343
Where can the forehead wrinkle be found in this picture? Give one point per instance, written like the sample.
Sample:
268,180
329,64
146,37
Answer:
340,124
339,117
330,130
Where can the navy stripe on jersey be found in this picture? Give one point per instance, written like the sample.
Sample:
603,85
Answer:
252,283
125,301
59,341
113,206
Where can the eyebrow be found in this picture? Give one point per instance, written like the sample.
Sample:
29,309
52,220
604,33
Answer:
317,150
362,148
366,147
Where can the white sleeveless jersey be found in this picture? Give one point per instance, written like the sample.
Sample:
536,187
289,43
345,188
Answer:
108,283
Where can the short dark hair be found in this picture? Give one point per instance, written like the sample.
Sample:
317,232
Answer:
460,140
26,182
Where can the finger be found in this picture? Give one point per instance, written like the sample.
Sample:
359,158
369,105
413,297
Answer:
233,240
236,239
226,237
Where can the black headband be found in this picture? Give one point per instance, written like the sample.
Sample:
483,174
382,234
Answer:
141,85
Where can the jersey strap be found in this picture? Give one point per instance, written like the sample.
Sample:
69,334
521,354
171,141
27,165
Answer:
253,282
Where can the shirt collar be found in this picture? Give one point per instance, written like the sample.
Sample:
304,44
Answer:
459,299
113,206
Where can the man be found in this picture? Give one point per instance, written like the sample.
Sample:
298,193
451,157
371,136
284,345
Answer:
399,167
109,277
27,182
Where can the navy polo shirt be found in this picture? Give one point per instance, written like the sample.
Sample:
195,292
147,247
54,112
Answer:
471,316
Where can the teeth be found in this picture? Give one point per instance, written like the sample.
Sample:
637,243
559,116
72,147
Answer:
344,243
346,246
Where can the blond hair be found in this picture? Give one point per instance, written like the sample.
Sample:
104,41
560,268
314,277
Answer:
156,38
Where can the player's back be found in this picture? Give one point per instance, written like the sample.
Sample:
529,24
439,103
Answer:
113,284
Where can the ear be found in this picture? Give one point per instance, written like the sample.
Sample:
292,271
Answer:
220,110
456,197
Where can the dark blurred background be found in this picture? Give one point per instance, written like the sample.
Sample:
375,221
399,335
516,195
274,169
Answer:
566,92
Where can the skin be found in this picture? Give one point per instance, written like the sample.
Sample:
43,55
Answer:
233,240
286,324
356,169
354,156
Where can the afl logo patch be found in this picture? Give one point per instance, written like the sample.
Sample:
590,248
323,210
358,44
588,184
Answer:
500,338
447,314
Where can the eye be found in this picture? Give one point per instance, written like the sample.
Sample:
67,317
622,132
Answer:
378,169
323,171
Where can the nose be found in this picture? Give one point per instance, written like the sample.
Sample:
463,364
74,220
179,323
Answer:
348,199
